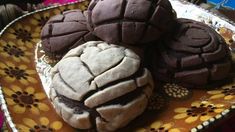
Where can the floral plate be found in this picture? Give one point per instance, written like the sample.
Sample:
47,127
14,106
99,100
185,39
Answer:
27,107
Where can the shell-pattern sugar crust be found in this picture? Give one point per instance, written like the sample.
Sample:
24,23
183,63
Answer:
64,32
131,21
195,56
100,85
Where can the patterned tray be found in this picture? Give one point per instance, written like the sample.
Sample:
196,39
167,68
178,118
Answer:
175,108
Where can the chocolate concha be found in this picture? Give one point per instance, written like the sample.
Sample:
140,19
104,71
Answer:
130,21
100,85
194,56
64,32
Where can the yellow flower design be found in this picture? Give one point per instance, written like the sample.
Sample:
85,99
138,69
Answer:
159,126
83,5
226,92
23,35
10,73
39,20
23,100
61,9
11,50
43,125
198,110
227,34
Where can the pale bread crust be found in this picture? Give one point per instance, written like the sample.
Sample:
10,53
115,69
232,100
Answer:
92,66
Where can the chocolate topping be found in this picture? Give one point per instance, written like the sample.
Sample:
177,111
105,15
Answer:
194,56
130,21
64,32
79,107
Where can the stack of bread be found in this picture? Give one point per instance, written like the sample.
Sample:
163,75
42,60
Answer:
111,55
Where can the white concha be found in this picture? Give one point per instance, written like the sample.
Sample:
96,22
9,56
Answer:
100,85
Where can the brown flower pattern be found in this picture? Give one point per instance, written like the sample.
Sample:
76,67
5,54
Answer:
226,92
43,125
23,34
10,73
39,20
27,99
9,50
199,110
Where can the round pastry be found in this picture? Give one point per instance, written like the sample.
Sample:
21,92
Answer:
100,86
130,21
194,56
64,32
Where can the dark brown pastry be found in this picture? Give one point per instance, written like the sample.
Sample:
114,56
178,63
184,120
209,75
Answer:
130,21
64,32
194,56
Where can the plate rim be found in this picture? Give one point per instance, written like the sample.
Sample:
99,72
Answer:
4,106
207,11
